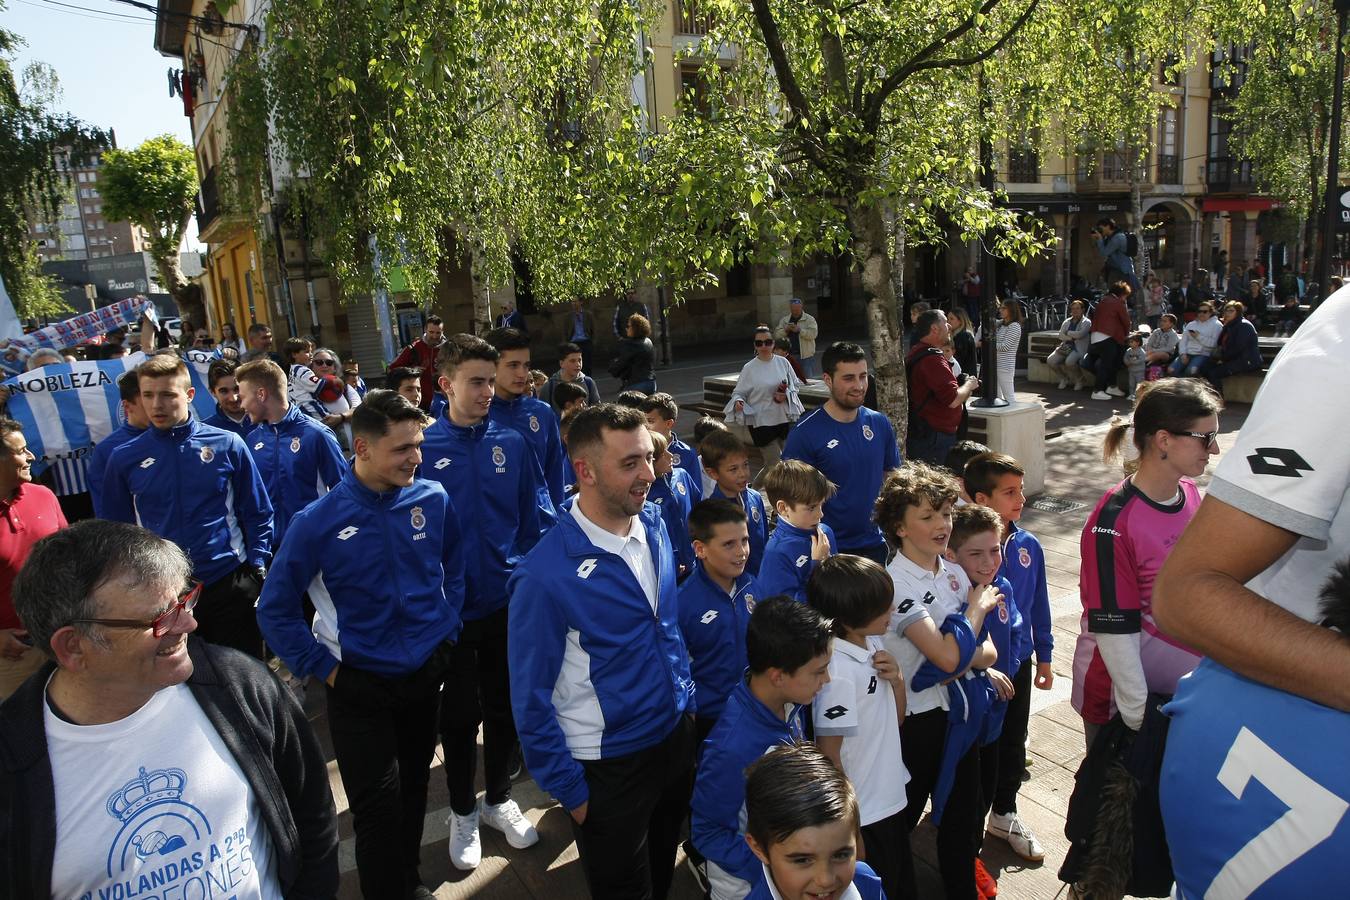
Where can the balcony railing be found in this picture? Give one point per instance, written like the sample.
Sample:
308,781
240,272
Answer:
208,201
690,19
1024,166
1229,174
1169,168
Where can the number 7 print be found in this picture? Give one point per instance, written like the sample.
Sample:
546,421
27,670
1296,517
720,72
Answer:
1314,812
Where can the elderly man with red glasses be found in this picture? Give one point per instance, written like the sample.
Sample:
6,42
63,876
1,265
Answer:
140,755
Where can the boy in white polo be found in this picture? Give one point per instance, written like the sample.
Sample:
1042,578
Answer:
914,511
858,713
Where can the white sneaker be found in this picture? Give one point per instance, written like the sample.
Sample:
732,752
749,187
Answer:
1115,391
510,821
1062,384
1100,395
466,848
1079,385
1018,836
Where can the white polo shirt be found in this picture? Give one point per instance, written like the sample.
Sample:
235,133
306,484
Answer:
1291,465
632,549
922,595
860,707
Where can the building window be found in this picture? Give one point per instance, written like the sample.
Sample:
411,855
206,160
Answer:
694,92
84,193
1170,71
690,19
1169,164
1024,165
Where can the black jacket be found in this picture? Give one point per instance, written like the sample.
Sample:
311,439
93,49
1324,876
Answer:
264,729
635,361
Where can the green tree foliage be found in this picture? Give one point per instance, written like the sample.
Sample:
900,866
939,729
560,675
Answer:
1281,117
30,136
822,126
154,186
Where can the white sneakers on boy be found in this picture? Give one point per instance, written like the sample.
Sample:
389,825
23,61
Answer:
1018,835
466,847
510,821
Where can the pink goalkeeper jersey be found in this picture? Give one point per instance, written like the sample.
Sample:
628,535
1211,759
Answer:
1125,542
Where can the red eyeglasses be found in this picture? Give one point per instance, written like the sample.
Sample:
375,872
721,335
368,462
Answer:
161,624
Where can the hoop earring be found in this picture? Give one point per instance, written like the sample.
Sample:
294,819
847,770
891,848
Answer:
1163,455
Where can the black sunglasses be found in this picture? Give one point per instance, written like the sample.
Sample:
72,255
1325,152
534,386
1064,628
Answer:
325,362
1210,438
768,343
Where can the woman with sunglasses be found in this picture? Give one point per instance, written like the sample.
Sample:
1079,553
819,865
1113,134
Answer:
765,398
1238,349
1198,342
325,362
1121,656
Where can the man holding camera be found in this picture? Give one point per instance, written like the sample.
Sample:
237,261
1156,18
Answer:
1112,244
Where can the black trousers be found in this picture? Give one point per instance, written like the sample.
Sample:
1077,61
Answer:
1012,749
1106,357
384,735
886,847
637,807
478,692
922,739
225,613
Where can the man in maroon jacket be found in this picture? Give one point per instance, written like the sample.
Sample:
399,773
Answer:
935,399
422,354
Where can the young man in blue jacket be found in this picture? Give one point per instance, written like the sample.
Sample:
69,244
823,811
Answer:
198,487
530,417
230,414
381,559
602,697
788,648
299,458
853,445
134,423
493,482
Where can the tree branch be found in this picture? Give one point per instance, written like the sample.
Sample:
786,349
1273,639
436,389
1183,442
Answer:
782,68
923,61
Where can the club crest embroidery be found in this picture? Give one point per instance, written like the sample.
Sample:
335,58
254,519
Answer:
1024,557
419,521
499,458
867,432
680,487
157,823
675,459
295,445
953,582
749,603
754,513
534,423
1003,611
207,454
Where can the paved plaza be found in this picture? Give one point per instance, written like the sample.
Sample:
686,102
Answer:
1075,474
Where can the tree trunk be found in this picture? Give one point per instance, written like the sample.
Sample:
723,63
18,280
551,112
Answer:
187,295
870,252
482,298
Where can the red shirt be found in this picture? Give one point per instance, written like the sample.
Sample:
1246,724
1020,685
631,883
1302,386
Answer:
421,354
29,517
1110,317
932,388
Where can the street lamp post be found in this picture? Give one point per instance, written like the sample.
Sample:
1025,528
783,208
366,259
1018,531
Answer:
989,397
1331,203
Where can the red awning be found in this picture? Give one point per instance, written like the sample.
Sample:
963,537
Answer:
1243,204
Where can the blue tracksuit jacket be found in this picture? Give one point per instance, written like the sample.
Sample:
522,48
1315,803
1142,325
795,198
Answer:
713,624
675,494
225,423
493,481
685,457
746,730
198,487
1024,567
757,521
385,572
98,463
855,456
594,674
866,886
300,461
534,420
787,564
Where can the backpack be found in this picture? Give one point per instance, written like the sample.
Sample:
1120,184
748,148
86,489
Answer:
1131,244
